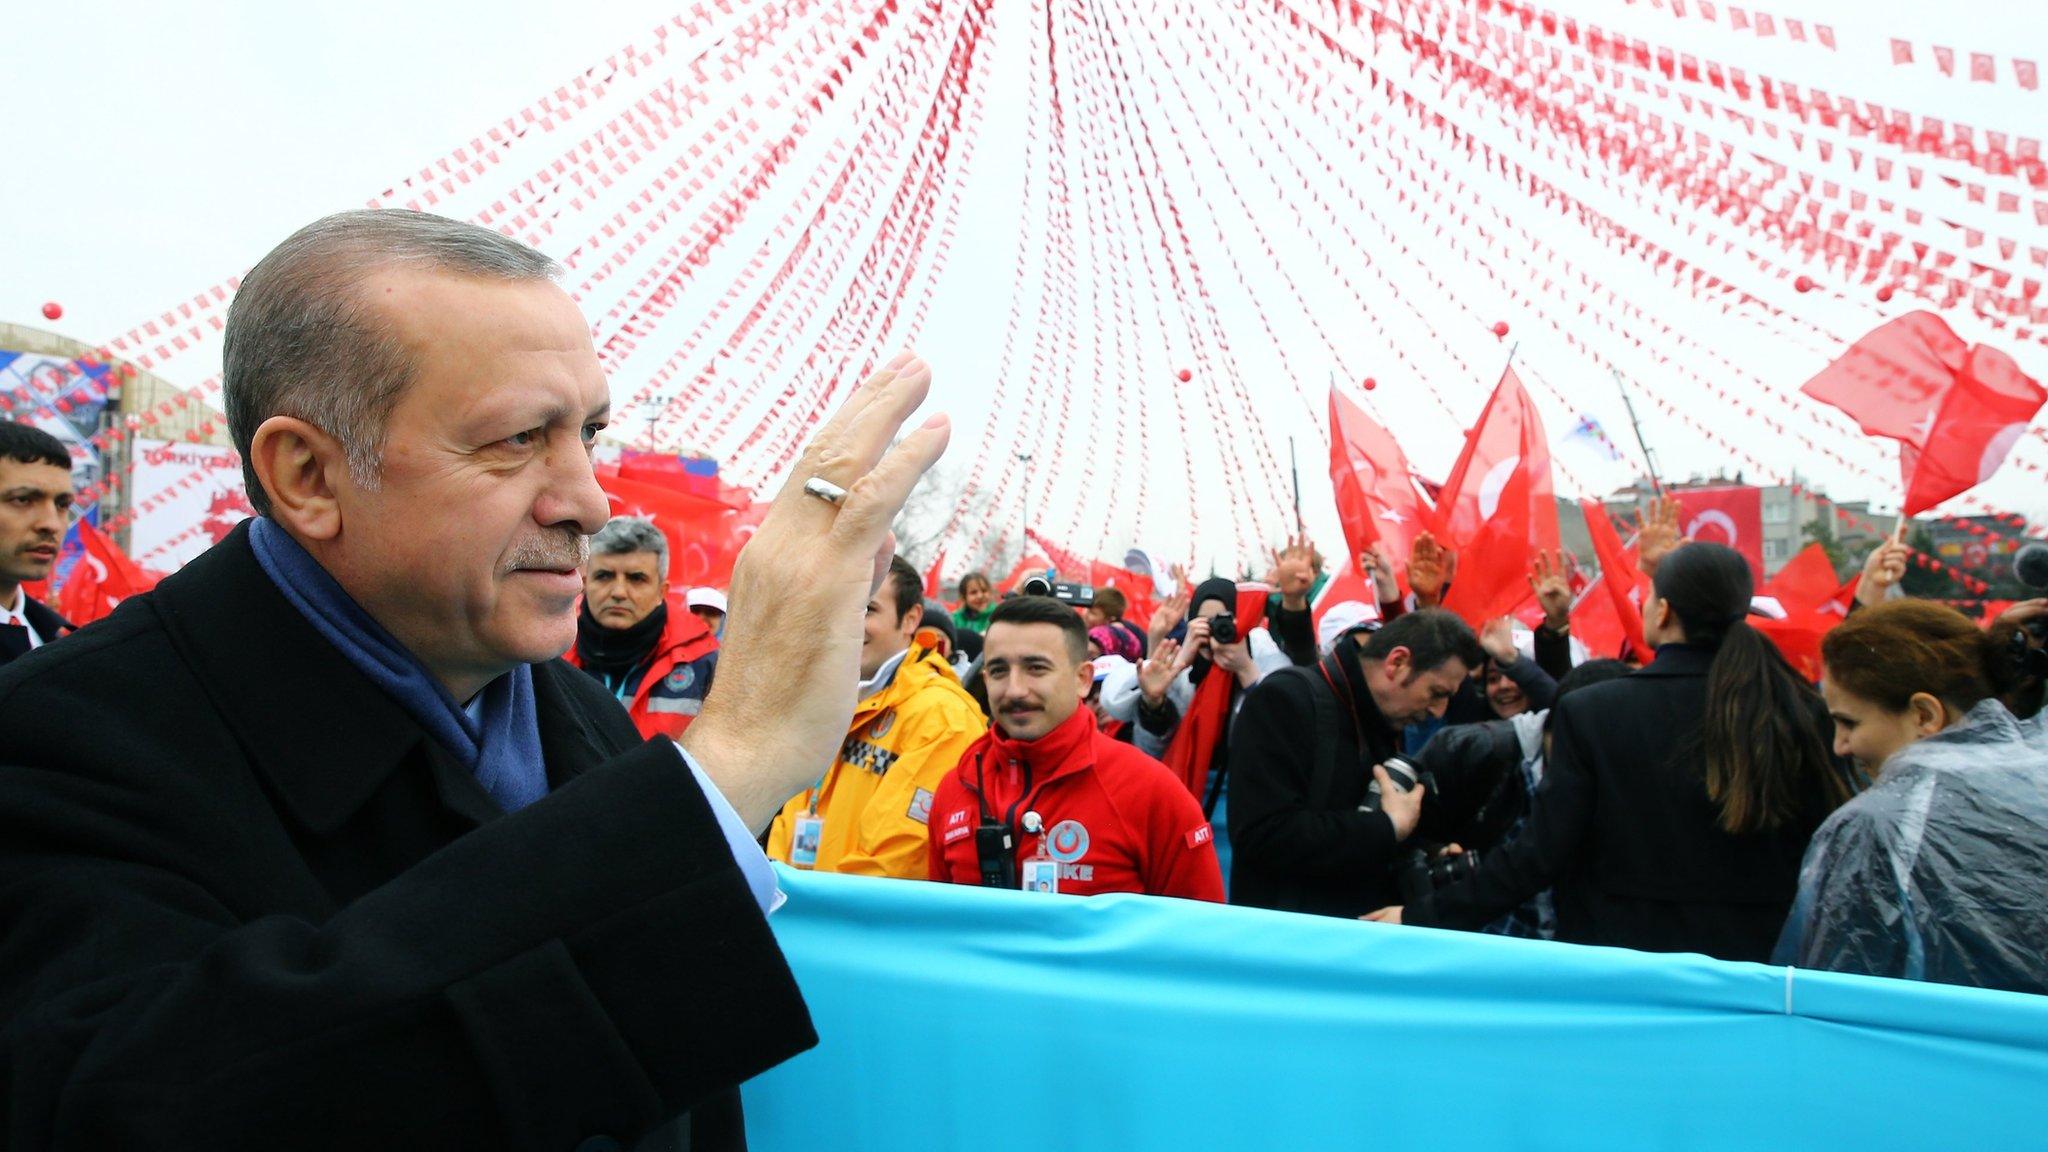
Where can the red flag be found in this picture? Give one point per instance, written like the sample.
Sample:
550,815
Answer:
704,535
1376,500
1902,52
1733,516
1956,410
1807,583
1623,584
1346,582
1976,425
1497,507
931,576
103,577
1890,380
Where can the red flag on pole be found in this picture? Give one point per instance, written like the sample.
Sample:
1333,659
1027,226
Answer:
1497,508
932,586
1377,502
1956,410
1976,425
1623,584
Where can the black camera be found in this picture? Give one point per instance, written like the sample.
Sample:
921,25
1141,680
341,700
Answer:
1421,875
1223,628
1079,595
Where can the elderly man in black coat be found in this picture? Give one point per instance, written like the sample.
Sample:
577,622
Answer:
320,845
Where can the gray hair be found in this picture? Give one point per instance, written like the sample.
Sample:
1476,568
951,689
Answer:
625,534
302,340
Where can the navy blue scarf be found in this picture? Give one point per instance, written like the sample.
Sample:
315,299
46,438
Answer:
501,744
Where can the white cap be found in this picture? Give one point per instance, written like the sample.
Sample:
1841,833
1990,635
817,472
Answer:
1344,616
1105,665
710,598
1120,692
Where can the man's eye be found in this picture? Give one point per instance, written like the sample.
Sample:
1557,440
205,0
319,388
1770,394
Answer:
590,432
524,439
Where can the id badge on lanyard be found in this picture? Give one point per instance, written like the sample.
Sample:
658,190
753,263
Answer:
810,828
1041,873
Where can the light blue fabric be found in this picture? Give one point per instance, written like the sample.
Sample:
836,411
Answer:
957,1017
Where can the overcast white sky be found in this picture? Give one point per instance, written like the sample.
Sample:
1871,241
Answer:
161,148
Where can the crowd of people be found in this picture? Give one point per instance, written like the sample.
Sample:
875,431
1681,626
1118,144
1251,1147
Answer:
1227,751
323,820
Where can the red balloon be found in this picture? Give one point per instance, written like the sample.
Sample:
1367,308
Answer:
1884,294
1185,375
1500,328
1804,284
53,311
1371,383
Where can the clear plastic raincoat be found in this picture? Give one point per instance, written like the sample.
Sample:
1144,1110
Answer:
1940,870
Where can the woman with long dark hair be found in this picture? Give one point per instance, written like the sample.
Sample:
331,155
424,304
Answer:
1676,801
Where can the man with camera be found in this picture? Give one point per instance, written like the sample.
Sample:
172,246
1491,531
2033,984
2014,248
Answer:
869,812
1190,691
1318,817
1048,803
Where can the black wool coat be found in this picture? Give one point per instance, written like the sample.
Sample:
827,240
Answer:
1622,827
247,902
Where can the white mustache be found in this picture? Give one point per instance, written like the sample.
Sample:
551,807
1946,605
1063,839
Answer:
569,550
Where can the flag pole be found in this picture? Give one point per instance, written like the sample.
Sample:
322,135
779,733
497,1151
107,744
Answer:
1649,459
1295,464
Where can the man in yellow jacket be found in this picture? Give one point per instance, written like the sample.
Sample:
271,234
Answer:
869,813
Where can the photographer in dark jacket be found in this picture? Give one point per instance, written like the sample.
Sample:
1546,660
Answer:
1676,802
1310,741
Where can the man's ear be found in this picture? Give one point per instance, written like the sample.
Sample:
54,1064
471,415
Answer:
1397,663
301,468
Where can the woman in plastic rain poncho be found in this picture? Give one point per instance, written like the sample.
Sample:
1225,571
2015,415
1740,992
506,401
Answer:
1939,870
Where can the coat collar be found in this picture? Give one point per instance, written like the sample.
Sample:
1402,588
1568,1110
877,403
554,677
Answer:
1679,660
321,733
47,623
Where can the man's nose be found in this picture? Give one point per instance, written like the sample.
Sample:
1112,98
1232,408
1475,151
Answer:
572,498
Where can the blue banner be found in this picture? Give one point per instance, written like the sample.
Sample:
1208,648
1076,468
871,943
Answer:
990,1021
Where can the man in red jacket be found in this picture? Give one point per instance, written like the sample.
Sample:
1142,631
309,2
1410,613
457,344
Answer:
1044,801
642,644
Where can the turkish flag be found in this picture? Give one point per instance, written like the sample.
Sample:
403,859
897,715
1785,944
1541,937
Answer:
1346,582
1613,604
1377,502
102,578
1733,516
1497,507
1807,583
705,535
931,576
1955,410
1975,426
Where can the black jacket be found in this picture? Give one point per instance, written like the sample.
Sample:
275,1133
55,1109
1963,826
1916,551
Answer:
1622,827
48,625
246,902
1298,841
